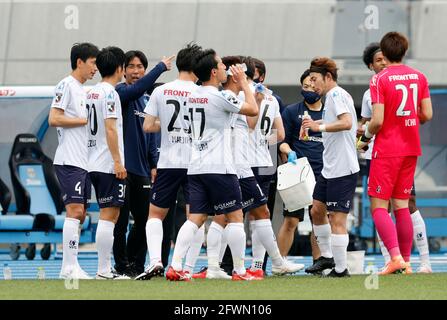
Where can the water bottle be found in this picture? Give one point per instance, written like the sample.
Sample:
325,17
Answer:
306,131
41,273
244,68
259,87
7,272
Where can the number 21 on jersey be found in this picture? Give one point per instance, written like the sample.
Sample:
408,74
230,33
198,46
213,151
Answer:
400,110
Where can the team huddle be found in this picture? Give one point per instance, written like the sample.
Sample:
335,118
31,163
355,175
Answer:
216,123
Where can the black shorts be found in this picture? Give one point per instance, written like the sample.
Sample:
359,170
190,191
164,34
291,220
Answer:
110,191
336,193
264,177
214,193
297,214
252,195
75,184
166,186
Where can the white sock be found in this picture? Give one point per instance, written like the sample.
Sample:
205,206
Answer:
339,249
257,249
223,245
154,238
213,245
184,238
194,250
70,240
420,236
237,241
383,249
264,233
104,245
323,237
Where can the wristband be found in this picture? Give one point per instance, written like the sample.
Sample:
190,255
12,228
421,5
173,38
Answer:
322,128
367,133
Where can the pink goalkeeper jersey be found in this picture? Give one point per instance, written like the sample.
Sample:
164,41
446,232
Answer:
400,89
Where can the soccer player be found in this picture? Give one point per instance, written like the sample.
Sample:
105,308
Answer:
268,130
375,61
253,199
335,188
401,100
140,157
213,183
106,154
69,114
166,111
296,146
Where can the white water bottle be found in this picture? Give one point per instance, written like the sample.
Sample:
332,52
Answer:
41,273
7,272
306,131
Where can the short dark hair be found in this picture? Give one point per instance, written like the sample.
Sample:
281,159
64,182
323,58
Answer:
250,66
186,56
135,54
109,60
156,84
394,45
324,65
260,65
204,62
305,74
369,52
230,61
82,51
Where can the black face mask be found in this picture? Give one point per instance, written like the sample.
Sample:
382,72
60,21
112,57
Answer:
310,97
256,80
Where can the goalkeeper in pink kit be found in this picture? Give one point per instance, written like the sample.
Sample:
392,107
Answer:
401,101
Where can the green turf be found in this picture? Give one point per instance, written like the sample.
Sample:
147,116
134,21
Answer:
275,288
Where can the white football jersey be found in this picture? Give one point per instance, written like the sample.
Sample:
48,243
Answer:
168,103
367,113
240,144
103,103
340,153
259,146
210,115
70,96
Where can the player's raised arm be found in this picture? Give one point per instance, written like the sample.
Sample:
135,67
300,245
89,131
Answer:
250,107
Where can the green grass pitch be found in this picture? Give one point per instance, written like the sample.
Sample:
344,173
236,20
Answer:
432,286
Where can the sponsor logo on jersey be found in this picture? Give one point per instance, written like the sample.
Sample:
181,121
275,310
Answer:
247,203
91,143
332,204
105,199
111,106
139,114
58,98
226,205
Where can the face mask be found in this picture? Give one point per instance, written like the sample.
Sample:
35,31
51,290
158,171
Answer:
256,80
310,97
